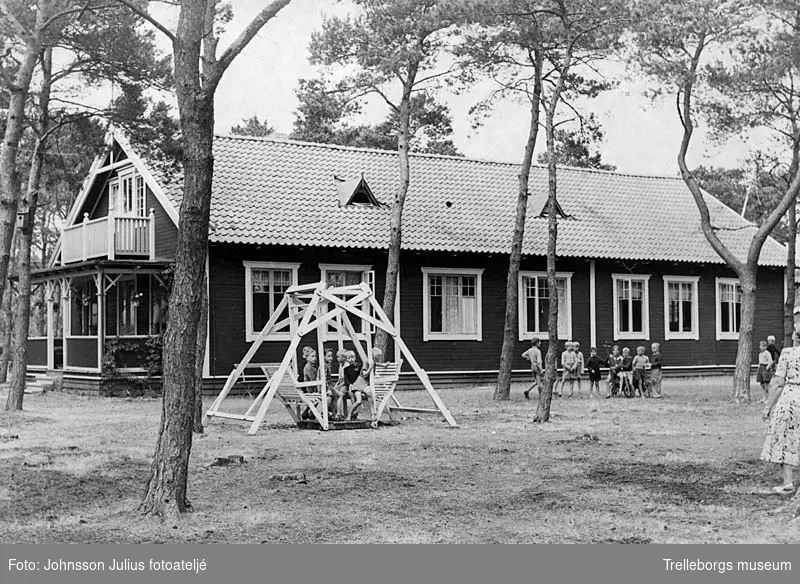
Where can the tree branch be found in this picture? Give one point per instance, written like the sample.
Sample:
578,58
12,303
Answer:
142,14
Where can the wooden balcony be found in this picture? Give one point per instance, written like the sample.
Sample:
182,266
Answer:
109,237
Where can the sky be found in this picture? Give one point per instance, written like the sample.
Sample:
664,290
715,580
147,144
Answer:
642,137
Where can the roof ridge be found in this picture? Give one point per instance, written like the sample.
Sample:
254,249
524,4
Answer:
329,146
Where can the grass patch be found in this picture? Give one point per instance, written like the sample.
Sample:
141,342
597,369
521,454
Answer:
683,469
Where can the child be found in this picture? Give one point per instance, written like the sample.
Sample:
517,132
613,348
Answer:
640,364
613,362
581,366
534,355
593,365
626,372
310,373
342,393
569,361
764,375
655,370
330,387
360,389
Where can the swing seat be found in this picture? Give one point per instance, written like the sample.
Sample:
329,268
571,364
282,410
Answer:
291,393
385,380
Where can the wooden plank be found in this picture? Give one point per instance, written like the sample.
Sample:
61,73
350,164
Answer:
234,375
388,327
228,416
275,381
423,376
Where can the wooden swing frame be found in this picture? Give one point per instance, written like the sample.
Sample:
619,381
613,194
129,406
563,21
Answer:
315,307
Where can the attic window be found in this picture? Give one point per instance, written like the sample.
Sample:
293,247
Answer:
538,205
355,192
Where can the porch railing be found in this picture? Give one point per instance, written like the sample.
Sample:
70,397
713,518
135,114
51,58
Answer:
109,237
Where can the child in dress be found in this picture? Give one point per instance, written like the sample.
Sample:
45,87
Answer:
569,361
360,388
613,362
581,366
593,366
310,373
765,369
640,364
656,362
626,372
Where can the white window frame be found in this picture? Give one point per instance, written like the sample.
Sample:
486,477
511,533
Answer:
368,277
645,334
723,336
525,335
427,334
116,200
250,334
693,334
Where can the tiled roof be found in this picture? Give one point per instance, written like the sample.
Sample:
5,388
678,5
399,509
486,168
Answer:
282,192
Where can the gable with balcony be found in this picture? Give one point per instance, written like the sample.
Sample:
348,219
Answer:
121,212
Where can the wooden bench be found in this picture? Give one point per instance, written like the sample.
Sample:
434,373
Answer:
384,381
292,393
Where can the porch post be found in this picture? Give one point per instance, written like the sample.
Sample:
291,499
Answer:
112,240
83,237
99,282
151,233
66,316
49,290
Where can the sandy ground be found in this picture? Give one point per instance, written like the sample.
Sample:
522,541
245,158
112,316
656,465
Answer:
681,469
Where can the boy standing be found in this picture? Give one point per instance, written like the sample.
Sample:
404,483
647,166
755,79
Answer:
640,364
534,355
655,370
626,372
593,365
613,363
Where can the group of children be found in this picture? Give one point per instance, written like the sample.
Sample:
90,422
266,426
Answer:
351,385
626,373
768,355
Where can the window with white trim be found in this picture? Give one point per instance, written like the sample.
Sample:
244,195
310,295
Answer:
534,305
348,275
681,311
265,285
127,194
631,307
729,308
451,301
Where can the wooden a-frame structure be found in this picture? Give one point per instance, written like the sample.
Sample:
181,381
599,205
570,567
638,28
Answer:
317,307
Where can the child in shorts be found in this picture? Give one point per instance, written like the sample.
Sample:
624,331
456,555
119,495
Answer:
330,386
359,388
640,364
581,366
593,366
613,362
764,375
341,388
656,361
310,373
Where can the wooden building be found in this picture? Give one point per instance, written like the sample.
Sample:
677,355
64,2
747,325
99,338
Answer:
634,266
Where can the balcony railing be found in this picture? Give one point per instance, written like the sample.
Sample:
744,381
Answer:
109,237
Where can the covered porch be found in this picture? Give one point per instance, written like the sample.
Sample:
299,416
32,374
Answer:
100,310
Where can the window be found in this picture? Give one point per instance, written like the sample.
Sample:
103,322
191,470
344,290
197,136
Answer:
681,313
348,275
265,285
451,304
729,308
127,194
83,305
534,305
631,310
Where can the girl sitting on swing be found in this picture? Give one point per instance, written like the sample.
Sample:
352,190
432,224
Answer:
360,388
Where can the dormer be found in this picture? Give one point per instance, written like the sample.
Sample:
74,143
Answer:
537,205
355,192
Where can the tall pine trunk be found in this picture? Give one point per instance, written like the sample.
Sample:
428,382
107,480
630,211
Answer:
6,328
744,350
22,316
551,365
202,331
511,320
396,221
166,492
10,183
